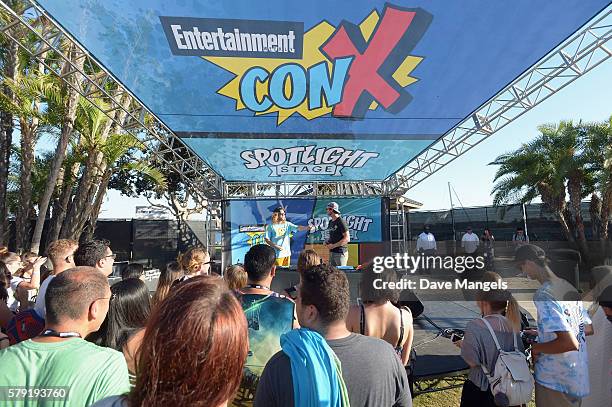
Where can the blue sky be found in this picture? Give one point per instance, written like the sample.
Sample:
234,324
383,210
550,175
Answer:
589,98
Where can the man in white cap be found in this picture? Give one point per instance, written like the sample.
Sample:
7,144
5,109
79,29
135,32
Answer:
339,237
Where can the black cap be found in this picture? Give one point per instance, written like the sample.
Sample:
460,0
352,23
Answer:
528,252
278,209
605,298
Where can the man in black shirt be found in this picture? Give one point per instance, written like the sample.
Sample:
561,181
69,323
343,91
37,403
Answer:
338,236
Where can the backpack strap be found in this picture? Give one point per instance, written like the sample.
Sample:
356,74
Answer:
362,321
495,336
492,333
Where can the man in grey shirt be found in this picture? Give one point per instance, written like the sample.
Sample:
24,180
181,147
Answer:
373,373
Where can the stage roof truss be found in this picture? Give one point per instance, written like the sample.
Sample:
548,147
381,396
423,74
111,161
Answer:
94,83
586,49
244,190
582,52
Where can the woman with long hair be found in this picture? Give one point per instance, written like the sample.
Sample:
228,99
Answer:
128,311
560,354
478,347
168,275
193,350
379,315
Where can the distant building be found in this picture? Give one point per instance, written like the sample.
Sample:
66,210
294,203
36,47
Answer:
152,212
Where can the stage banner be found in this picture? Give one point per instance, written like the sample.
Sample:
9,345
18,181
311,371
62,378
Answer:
246,221
362,215
318,90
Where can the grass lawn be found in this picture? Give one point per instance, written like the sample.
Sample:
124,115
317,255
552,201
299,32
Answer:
445,398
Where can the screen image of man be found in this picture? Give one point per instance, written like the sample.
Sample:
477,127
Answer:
339,236
278,235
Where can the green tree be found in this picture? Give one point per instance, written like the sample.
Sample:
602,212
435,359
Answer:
529,172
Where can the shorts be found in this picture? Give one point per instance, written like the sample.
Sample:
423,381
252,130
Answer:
283,261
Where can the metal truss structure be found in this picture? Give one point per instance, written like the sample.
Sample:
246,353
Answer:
304,189
63,56
582,52
578,55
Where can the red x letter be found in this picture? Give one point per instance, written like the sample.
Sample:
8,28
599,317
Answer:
363,74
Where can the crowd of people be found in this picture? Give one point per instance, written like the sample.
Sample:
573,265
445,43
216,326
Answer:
208,340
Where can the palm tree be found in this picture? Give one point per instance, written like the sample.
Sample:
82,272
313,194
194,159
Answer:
568,144
9,60
529,172
598,151
26,104
68,97
117,158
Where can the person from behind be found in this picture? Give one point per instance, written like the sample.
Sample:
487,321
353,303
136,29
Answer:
96,254
560,354
128,312
195,261
235,276
77,303
378,316
61,254
269,315
369,367
193,349
308,258
171,273
478,347
133,270
19,284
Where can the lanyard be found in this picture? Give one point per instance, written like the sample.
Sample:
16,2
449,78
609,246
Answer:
51,332
261,287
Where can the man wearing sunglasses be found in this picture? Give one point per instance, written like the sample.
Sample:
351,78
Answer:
278,235
96,254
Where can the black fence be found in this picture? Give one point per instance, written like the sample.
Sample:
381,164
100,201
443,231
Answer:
153,243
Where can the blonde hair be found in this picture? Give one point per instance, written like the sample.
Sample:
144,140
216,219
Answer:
193,259
235,276
59,249
501,300
308,258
